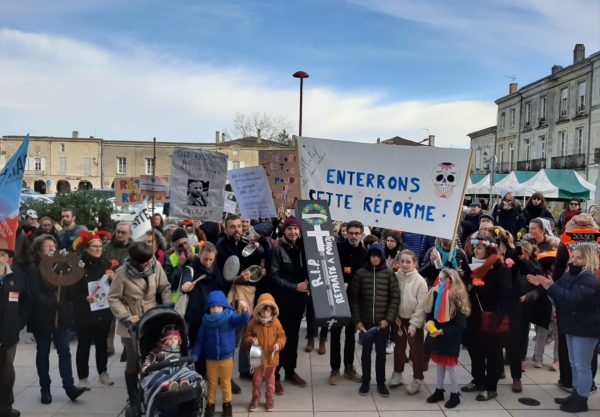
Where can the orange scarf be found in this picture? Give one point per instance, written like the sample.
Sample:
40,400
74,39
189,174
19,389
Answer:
482,271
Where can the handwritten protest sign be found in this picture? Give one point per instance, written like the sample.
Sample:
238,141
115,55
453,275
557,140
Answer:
160,187
197,184
141,224
127,191
230,204
282,172
252,192
412,188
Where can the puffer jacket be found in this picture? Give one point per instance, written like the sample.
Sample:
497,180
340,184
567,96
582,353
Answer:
216,338
375,293
268,333
130,296
413,294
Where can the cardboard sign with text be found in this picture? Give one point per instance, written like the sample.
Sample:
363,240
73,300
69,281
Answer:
160,187
127,191
252,192
325,276
283,174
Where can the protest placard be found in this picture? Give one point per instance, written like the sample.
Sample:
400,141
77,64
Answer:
252,192
416,189
325,277
141,224
282,172
127,191
160,187
197,184
230,205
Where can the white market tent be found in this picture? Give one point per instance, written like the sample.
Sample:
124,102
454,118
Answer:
558,183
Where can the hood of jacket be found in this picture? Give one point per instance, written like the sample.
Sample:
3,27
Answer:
265,299
407,276
217,298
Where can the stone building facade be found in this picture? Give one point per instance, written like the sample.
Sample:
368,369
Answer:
553,122
70,163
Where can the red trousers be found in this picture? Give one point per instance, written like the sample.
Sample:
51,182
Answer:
261,375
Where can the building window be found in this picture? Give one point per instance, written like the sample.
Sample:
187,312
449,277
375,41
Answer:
564,102
527,113
543,106
511,155
502,120
512,117
579,136
543,146
527,150
87,166
37,164
62,165
501,154
121,165
478,158
62,147
235,164
581,97
562,142
149,166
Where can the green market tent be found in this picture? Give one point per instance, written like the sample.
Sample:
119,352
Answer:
558,183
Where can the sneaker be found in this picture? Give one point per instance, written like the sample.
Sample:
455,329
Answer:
389,349
538,364
105,379
555,366
270,404
253,404
364,388
563,387
472,387
382,390
334,378
396,380
84,383
486,395
351,374
414,386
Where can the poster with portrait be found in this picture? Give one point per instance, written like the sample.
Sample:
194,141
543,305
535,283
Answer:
197,184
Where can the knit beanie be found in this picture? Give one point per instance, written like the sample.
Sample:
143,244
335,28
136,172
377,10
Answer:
179,233
291,221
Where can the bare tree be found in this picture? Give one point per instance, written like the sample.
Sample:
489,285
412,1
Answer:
271,127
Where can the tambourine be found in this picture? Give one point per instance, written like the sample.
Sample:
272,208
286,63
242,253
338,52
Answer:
62,269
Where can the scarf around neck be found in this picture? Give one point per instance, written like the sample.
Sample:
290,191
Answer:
134,272
479,273
446,256
217,319
441,311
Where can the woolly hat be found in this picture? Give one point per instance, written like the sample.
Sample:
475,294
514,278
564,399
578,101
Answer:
291,221
264,229
487,216
179,233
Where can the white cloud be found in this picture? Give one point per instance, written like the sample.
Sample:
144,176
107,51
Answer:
51,85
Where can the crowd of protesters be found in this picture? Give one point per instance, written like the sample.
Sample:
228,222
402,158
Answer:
508,269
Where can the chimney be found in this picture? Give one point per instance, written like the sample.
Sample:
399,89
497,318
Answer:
578,53
513,88
431,140
556,68
75,134
217,137
258,139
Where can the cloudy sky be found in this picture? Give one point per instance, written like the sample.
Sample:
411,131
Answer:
181,69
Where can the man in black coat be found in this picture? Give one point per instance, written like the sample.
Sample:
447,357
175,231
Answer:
14,312
353,256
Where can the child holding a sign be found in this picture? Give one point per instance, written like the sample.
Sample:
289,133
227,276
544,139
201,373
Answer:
92,313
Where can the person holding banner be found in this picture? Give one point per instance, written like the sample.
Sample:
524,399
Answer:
92,326
289,276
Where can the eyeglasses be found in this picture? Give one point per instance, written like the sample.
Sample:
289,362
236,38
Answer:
354,233
574,204
121,232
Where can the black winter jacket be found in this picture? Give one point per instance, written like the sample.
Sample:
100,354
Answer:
288,268
375,294
577,299
15,305
94,270
351,259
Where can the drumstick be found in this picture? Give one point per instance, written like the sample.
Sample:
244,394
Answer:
200,278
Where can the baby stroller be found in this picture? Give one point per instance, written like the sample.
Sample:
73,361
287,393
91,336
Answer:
151,400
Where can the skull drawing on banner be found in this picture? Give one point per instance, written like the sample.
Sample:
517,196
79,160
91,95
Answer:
445,177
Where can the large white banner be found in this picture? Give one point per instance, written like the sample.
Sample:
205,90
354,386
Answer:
410,188
252,192
197,184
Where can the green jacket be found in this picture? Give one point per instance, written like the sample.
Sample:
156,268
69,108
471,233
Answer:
118,251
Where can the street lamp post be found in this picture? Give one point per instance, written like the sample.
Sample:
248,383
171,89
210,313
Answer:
302,75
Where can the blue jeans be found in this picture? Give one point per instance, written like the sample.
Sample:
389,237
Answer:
581,350
61,339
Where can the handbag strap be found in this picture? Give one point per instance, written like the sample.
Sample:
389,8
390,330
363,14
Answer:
479,302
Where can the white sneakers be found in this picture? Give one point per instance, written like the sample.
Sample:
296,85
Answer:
389,349
105,379
396,380
84,383
414,386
